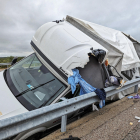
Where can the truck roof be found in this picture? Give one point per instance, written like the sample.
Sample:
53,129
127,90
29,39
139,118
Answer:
64,45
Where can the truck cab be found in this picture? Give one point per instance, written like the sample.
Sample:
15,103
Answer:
40,79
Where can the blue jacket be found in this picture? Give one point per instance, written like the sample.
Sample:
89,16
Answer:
85,87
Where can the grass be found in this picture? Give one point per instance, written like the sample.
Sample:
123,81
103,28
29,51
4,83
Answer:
7,60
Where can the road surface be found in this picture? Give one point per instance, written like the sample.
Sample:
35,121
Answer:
115,121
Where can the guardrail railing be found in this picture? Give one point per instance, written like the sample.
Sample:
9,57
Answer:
17,124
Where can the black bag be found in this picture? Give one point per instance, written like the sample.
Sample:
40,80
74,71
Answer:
71,138
99,54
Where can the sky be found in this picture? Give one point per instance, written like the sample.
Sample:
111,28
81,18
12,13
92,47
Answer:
19,19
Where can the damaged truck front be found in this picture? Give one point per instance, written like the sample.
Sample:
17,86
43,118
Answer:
61,47
40,79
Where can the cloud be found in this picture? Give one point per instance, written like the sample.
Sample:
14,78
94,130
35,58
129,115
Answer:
20,19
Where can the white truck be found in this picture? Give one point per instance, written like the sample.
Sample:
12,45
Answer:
40,79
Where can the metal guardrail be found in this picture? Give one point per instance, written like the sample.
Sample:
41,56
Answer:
5,64
17,124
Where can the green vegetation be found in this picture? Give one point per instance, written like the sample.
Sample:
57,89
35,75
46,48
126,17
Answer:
8,60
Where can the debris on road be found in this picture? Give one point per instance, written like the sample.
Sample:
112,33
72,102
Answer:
134,97
137,118
94,107
72,138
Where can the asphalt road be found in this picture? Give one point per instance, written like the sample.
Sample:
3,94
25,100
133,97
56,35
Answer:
115,121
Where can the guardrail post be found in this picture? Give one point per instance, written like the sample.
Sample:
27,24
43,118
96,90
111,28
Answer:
136,89
63,123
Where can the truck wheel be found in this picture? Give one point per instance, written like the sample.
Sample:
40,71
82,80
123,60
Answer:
34,137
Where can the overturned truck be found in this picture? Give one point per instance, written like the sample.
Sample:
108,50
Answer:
41,78
59,47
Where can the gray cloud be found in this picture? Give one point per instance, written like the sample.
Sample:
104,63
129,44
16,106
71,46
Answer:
20,19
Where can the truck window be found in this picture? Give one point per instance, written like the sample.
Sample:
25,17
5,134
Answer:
32,81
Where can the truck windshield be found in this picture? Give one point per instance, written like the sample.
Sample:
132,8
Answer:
34,82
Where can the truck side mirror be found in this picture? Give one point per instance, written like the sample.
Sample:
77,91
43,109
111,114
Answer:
14,60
